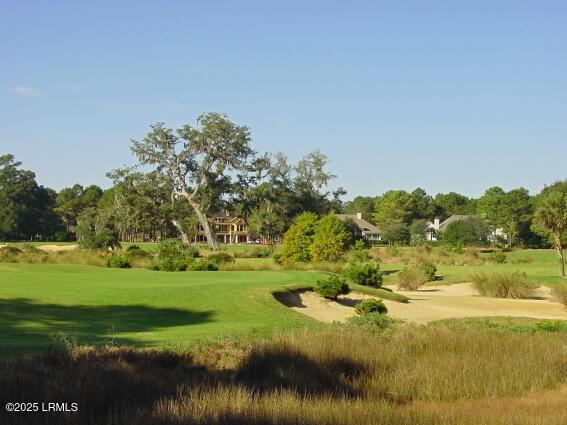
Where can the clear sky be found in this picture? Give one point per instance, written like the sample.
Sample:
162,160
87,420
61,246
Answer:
445,95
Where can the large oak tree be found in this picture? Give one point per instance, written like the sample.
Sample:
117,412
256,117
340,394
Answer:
197,159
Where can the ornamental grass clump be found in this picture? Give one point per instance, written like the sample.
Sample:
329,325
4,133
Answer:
560,293
504,285
411,278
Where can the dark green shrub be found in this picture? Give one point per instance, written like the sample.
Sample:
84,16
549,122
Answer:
134,251
396,233
172,256
169,265
118,262
429,269
260,252
64,237
373,323
411,278
331,287
361,244
278,258
552,326
471,231
202,266
498,257
360,256
364,274
371,306
220,258
173,248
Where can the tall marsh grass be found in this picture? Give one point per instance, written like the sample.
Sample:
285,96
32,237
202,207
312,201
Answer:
504,285
560,293
424,253
334,375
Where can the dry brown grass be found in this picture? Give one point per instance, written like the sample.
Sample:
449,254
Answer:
560,293
504,285
407,376
436,255
77,256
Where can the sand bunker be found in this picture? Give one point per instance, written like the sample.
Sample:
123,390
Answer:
429,304
57,248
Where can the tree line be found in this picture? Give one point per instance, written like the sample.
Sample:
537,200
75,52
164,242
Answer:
185,176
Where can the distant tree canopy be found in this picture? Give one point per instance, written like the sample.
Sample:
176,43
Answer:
26,209
551,218
186,176
471,231
363,205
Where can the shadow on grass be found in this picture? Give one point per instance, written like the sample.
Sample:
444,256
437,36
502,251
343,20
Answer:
28,326
282,368
122,385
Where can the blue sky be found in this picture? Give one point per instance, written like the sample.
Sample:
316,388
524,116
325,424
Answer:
445,95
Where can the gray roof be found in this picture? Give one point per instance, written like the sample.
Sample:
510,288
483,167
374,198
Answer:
452,219
361,223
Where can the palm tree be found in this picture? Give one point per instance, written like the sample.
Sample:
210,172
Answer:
551,214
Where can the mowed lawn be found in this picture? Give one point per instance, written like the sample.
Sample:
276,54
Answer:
138,307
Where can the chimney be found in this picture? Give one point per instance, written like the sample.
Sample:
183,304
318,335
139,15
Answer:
359,216
436,224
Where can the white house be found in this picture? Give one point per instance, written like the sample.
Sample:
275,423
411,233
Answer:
436,227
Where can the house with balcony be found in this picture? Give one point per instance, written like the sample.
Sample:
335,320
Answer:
227,229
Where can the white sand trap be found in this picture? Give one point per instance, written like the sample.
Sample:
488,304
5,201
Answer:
430,303
57,248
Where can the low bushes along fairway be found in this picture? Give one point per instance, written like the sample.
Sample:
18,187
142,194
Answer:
137,306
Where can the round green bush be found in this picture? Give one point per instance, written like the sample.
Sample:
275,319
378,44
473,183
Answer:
429,269
118,262
498,257
373,323
332,287
371,306
364,274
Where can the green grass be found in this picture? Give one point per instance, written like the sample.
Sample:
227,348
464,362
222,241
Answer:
542,269
139,307
20,244
505,324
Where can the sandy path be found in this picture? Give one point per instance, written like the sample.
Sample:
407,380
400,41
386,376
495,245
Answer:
431,303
